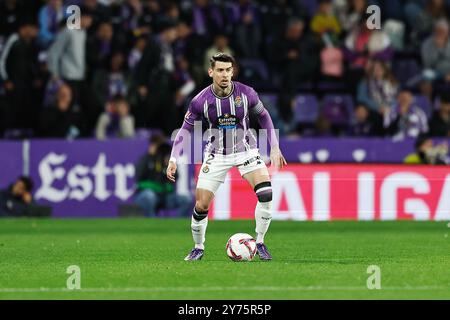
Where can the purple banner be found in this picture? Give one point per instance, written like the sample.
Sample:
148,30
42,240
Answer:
351,150
11,162
84,178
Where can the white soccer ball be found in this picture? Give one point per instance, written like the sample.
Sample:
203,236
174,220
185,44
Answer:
241,247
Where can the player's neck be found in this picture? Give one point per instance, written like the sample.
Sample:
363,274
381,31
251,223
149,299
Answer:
222,92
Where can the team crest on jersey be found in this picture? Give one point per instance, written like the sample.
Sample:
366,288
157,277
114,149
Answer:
205,169
238,101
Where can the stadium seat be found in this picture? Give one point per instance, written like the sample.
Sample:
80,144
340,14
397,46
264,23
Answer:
338,108
423,103
306,108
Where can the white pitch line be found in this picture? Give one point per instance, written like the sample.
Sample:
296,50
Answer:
200,289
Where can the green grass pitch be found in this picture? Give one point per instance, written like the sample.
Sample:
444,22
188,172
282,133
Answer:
143,259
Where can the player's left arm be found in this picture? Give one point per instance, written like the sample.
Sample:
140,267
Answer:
265,121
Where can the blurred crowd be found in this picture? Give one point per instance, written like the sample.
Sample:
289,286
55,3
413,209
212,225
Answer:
137,63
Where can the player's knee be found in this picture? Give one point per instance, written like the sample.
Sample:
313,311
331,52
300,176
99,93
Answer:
200,211
263,191
201,205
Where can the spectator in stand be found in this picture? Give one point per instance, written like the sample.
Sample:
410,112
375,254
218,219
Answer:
367,123
193,47
101,46
66,56
207,19
405,119
296,56
245,18
116,121
349,12
184,83
154,191
135,54
436,52
440,121
325,22
275,14
19,71
361,44
113,82
15,199
96,10
50,17
420,17
131,11
379,89
154,78
148,20
221,44
60,120
427,153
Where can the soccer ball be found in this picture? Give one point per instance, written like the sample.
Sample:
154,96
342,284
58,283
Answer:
241,247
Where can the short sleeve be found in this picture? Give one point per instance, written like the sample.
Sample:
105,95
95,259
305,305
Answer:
254,103
192,114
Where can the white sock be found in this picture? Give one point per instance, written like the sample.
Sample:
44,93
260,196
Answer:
263,216
198,232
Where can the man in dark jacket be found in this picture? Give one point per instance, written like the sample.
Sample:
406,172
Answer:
60,120
155,81
15,199
440,121
154,191
19,70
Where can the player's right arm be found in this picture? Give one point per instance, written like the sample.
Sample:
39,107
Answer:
190,117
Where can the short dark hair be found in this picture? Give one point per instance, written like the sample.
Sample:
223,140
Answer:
118,98
27,182
420,140
222,57
157,138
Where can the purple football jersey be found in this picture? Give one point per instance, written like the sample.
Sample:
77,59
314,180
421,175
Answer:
227,117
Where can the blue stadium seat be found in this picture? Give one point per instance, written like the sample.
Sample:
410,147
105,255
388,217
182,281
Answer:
338,108
306,108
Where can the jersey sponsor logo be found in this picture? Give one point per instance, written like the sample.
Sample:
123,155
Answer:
227,121
238,101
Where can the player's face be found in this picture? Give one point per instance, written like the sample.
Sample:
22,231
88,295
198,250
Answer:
222,74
